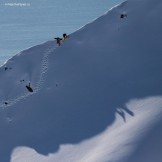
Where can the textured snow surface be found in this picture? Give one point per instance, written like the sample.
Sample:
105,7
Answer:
97,97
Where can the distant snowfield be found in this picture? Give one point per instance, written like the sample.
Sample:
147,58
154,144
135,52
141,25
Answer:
96,98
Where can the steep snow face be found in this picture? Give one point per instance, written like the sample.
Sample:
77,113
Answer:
28,67
96,98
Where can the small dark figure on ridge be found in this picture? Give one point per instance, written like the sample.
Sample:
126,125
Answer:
58,40
65,36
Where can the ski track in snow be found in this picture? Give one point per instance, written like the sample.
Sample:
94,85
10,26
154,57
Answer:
38,85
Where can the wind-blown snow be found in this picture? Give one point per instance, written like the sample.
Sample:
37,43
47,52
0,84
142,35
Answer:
97,97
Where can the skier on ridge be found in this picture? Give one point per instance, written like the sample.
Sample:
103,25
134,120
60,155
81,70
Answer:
58,40
65,36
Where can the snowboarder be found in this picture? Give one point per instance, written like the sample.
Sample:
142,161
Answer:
29,88
58,40
65,36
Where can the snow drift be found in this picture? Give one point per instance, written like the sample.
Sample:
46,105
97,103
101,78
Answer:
96,98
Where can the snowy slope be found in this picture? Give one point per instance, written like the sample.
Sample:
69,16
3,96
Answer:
97,97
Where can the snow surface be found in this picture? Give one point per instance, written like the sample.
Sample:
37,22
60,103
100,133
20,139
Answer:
97,97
